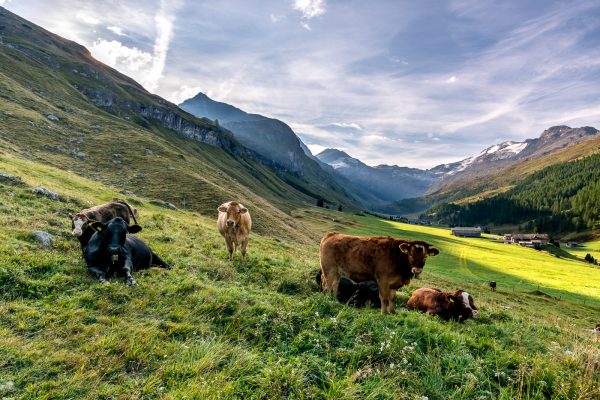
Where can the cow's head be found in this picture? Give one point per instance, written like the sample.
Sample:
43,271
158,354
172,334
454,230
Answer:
114,234
463,305
234,213
417,254
79,223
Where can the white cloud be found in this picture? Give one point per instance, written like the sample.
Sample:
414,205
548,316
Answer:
88,19
276,18
145,67
116,30
185,92
127,59
2,2
452,79
310,8
348,125
305,25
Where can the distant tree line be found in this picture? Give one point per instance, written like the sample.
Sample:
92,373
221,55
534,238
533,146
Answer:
561,198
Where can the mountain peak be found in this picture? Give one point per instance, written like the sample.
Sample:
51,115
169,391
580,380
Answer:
330,153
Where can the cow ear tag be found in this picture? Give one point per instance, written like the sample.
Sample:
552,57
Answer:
451,299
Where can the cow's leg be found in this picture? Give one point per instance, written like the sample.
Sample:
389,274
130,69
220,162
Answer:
332,281
229,248
243,246
384,295
127,269
156,260
98,273
391,297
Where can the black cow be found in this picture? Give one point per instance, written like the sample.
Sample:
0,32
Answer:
111,250
355,294
493,286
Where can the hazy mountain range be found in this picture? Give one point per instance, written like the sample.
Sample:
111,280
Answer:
378,187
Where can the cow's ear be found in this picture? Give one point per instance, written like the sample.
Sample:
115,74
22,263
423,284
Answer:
222,209
243,210
97,226
432,251
405,248
135,228
71,215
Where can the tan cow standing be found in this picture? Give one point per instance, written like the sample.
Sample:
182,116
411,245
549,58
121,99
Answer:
234,223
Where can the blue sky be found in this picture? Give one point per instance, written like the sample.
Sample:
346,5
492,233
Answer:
413,83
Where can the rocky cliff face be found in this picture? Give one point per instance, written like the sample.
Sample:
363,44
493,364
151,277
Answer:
269,137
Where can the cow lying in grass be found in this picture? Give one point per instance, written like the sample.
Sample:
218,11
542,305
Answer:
355,294
112,250
80,222
457,306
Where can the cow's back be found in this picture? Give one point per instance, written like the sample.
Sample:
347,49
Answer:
356,257
424,299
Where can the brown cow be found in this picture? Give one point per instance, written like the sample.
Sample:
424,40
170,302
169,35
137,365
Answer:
457,305
234,223
392,263
102,213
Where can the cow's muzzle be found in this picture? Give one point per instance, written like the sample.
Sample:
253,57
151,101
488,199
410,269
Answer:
230,222
475,313
416,271
76,233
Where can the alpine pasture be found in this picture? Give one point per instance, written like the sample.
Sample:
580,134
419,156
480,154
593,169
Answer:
214,329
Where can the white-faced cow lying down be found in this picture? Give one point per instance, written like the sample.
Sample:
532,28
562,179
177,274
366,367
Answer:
355,294
102,213
112,250
234,223
457,306
390,262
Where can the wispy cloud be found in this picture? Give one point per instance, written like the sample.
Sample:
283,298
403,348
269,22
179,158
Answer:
116,30
310,8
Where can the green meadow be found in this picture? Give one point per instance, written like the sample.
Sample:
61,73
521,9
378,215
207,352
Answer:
214,329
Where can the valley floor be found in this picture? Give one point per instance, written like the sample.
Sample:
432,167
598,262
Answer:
214,329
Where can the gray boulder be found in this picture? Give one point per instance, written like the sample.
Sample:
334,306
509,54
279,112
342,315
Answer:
43,238
11,180
164,204
52,117
45,192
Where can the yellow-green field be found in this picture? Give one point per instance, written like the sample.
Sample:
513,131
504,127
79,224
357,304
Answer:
214,329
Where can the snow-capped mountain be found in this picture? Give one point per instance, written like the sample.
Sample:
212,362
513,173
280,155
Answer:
502,155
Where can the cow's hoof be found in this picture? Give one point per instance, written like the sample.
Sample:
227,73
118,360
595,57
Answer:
168,266
131,282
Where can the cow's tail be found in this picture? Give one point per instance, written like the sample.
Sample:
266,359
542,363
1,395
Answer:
129,208
324,283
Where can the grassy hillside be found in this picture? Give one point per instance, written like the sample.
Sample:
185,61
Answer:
211,329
